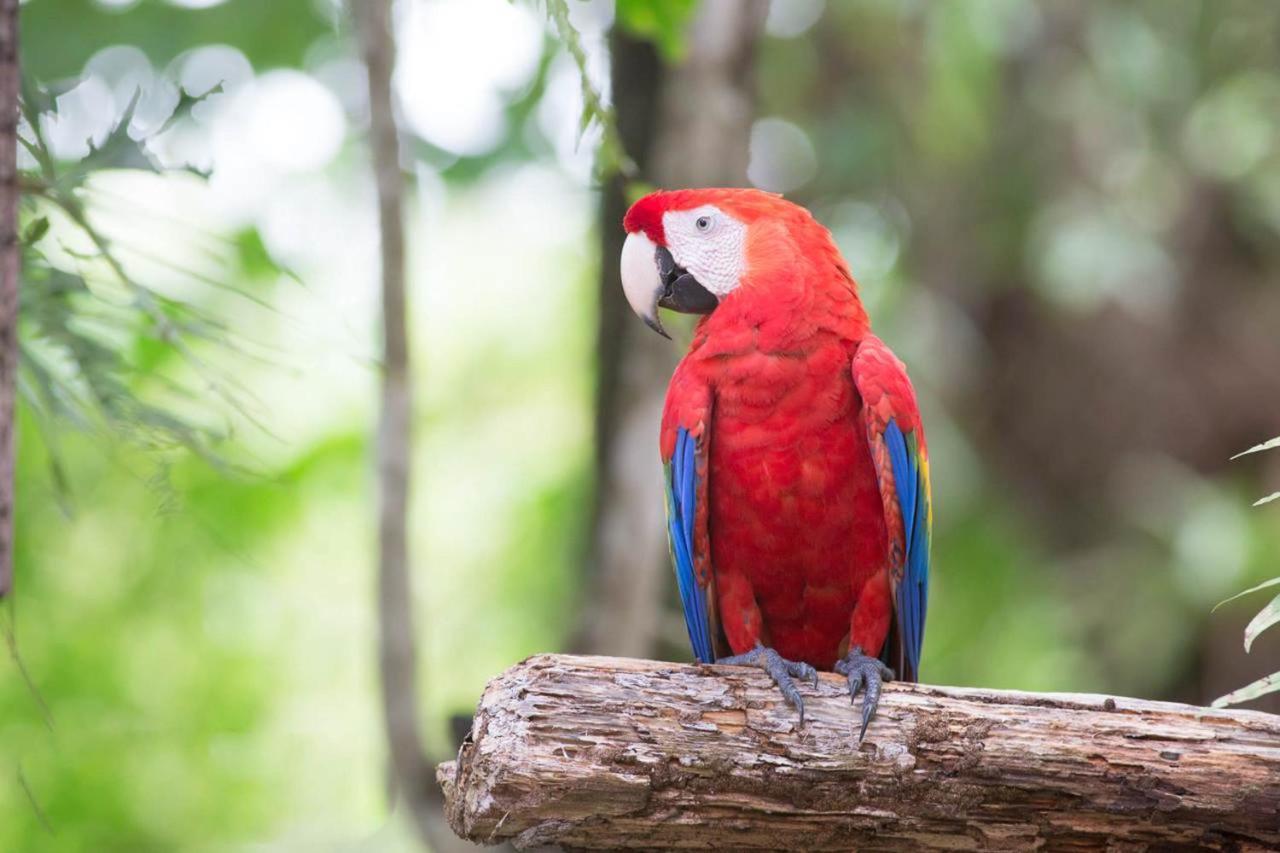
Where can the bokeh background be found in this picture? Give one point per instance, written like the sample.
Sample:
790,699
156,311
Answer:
1063,216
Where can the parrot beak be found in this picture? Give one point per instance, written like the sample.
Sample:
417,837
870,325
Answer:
641,281
652,279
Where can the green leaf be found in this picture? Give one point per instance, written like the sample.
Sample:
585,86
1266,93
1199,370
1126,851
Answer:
1258,448
186,103
253,255
36,229
1266,617
1261,687
42,97
663,22
118,151
611,158
1268,499
635,190
1242,594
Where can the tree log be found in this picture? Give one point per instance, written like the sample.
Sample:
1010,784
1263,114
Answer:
607,753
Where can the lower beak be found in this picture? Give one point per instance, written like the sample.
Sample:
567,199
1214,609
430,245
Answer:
651,279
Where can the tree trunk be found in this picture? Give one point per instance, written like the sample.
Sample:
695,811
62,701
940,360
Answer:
709,104
10,259
397,641
687,127
627,543
600,753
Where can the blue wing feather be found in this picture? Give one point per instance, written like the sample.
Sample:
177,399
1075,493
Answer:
682,495
913,592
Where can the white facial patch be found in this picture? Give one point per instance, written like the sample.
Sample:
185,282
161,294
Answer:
709,243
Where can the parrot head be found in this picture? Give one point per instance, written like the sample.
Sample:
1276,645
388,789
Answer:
688,250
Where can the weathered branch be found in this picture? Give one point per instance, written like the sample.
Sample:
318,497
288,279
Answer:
593,752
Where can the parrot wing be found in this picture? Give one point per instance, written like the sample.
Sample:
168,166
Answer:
685,441
896,438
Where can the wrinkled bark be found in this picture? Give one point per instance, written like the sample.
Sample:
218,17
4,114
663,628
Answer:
685,127
10,259
397,641
600,753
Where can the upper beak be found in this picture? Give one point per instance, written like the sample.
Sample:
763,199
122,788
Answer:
641,281
650,278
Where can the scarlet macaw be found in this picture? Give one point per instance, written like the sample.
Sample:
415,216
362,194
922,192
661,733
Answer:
797,478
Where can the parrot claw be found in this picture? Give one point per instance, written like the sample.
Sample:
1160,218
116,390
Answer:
864,671
781,670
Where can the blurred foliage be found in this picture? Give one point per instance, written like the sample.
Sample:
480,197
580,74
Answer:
610,156
1267,616
59,35
89,332
661,21
135,698
1266,445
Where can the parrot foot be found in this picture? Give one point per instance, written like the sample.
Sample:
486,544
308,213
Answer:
862,670
781,670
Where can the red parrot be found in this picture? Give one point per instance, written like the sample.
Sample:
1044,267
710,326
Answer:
797,477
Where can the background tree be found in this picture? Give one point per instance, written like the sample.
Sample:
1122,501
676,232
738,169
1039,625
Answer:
687,127
397,638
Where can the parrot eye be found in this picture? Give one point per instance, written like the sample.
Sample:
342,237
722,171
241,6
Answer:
703,223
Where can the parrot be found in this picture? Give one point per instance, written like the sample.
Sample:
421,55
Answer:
796,472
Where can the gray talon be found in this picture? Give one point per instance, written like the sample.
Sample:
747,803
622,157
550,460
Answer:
868,672
802,670
781,670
